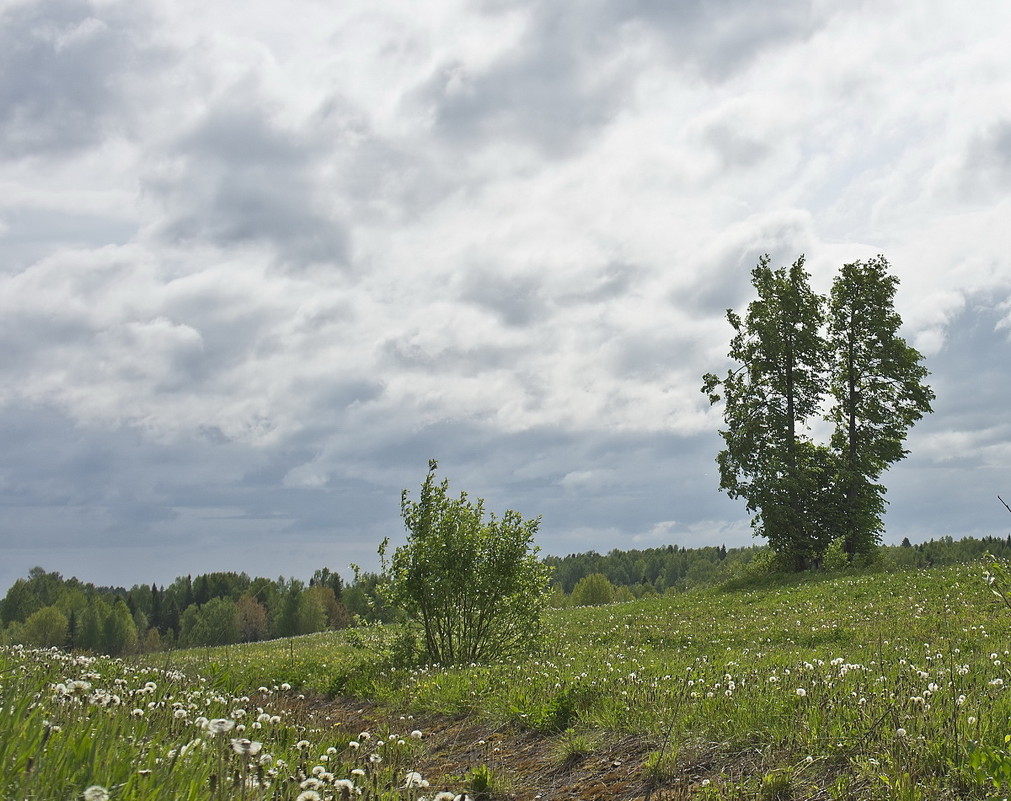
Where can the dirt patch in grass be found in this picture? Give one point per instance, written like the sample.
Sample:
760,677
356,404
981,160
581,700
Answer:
525,765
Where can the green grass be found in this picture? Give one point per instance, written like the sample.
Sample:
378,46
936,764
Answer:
69,723
870,675
857,685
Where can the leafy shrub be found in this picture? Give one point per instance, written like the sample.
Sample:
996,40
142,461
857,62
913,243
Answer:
476,588
835,557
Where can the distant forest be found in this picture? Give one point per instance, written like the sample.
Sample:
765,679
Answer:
47,610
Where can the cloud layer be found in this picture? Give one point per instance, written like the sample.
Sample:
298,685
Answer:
260,266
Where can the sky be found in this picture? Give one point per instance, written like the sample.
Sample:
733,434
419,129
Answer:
260,262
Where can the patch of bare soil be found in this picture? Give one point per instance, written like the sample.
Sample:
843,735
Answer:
525,765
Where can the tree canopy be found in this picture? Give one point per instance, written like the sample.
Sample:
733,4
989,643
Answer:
800,358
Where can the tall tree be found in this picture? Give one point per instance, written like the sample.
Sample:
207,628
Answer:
252,618
877,385
768,458
119,630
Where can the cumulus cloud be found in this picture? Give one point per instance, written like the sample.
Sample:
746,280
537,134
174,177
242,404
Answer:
258,268
238,176
68,67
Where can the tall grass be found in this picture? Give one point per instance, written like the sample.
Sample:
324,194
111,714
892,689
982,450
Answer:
76,726
878,680
855,686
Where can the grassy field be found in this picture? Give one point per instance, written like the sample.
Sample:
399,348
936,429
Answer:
855,686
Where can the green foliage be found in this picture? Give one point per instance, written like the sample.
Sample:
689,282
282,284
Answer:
902,673
794,348
777,785
593,590
660,767
877,386
562,709
120,633
476,588
481,782
835,557
214,623
991,764
46,628
768,459
573,747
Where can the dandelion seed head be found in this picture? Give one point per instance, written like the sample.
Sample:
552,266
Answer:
414,780
220,725
246,747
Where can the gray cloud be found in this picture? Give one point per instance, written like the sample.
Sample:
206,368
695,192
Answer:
958,455
515,299
571,73
722,279
613,281
239,177
66,68
113,489
987,162
506,243
33,233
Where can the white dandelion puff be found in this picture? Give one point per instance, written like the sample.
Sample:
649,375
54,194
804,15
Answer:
220,725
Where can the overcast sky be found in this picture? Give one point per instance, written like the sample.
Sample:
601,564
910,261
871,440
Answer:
260,262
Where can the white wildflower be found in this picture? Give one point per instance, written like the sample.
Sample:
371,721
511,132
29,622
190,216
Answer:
220,725
246,747
414,780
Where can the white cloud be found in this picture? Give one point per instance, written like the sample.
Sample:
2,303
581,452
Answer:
326,246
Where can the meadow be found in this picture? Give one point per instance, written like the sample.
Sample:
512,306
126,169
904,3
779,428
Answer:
848,686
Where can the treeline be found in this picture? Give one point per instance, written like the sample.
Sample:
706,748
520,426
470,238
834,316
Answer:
212,609
588,579
223,608
652,569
